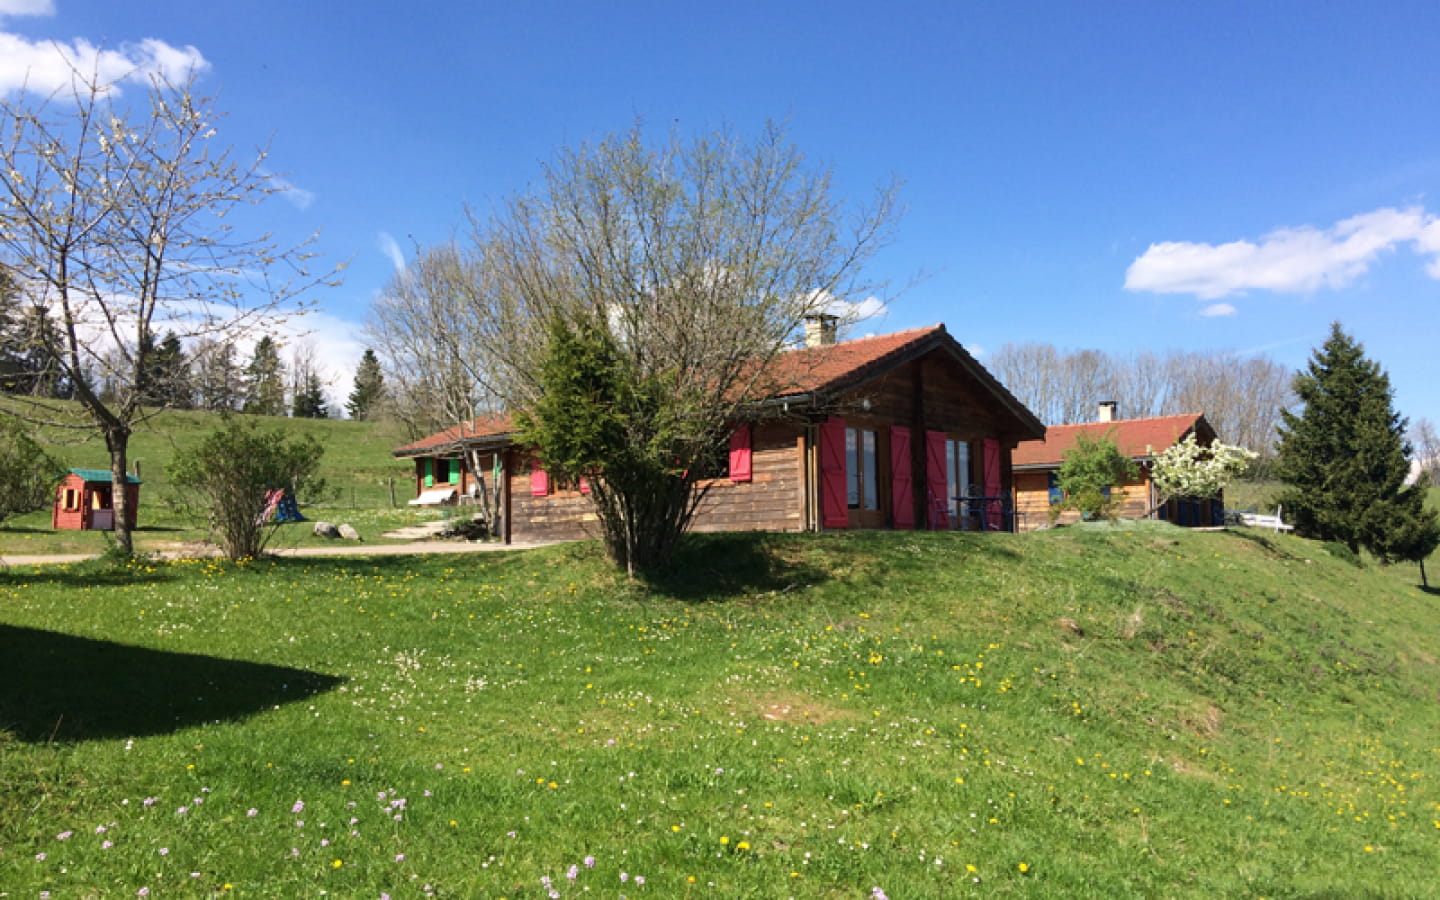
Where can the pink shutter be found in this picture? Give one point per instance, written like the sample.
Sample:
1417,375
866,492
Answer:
994,513
834,508
539,480
902,492
740,454
936,485
584,485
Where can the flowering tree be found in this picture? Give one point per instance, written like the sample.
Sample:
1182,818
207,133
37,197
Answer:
1187,469
113,224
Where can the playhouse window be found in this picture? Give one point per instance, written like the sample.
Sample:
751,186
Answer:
72,499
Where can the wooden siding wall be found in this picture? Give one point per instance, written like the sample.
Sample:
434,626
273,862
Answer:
558,516
773,500
1032,498
932,395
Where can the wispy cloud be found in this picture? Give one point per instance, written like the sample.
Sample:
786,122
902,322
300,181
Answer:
1218,309
391,248
1288,260
297,196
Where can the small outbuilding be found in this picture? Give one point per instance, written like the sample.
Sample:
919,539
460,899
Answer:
1037,468
85,501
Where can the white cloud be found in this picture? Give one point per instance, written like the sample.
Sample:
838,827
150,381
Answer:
48,67
1288,260
851,313
391,248
297,196
26,8
1218,309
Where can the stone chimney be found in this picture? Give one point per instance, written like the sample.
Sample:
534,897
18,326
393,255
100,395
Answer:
1107,411
820,329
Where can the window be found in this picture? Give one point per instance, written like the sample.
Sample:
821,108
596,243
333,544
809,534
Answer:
72,499
957,475
862,490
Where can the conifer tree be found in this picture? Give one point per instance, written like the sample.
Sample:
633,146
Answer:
369,388
1344,457
309,400
265,380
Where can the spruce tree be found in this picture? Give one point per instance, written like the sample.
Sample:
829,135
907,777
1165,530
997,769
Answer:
369,388
309,401
1344,457
265,380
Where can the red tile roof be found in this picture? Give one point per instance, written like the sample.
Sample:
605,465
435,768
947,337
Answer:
485,426
810,369
826,369
1132,436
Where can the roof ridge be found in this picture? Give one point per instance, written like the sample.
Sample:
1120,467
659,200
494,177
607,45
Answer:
1124,421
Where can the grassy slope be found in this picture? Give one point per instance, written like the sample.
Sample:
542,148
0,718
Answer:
357,464
1151,713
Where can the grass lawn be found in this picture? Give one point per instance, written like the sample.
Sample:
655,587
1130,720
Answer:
357,465
1079,713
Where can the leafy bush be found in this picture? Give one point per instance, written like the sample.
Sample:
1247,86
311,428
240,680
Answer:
27,473
1091,468
232,471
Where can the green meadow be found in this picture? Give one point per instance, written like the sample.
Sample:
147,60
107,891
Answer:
1085,712
357,465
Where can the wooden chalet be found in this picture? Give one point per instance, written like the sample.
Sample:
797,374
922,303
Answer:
85,501
1037,466
878,432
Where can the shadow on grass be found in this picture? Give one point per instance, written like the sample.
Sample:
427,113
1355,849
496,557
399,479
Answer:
65,688
715,567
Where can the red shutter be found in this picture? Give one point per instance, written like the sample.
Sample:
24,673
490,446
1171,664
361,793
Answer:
936,485
539,480
994,514
902,493
584,485
740,454
834,508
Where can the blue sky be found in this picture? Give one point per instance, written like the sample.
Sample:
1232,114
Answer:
1224,176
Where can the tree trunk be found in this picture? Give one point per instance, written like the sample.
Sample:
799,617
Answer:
117,439
1424,582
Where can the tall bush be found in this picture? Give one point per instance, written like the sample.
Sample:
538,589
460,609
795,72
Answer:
27,473
1088,475
231,472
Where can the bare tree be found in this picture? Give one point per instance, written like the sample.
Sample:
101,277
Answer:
424,331
690,265
1241,396
114,220
1426,441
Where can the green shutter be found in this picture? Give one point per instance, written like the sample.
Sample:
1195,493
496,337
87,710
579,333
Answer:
455,471
429,466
